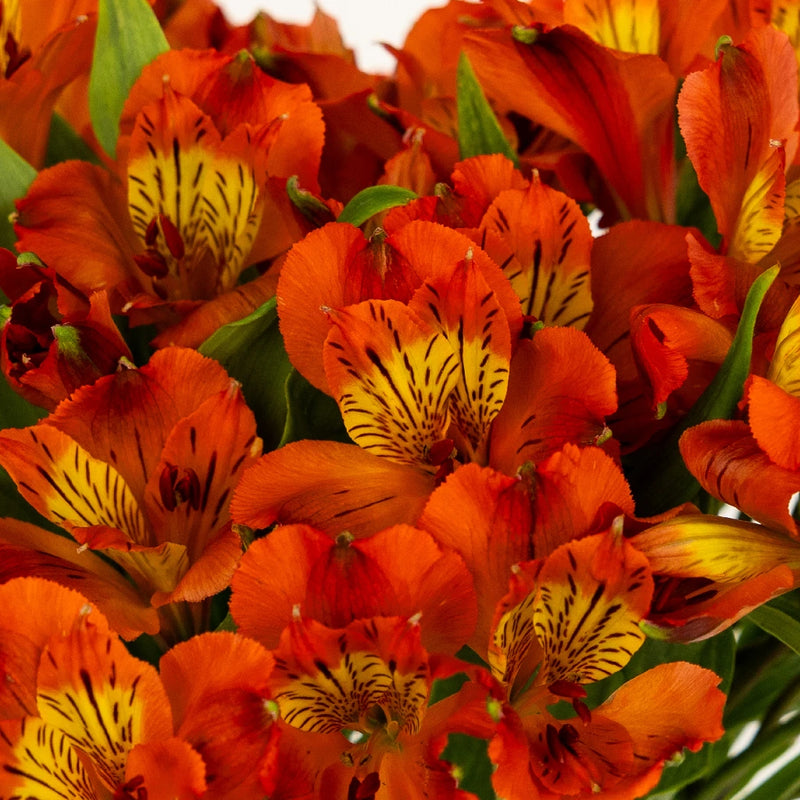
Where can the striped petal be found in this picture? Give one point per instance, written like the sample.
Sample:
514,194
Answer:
543,243
194,199
68,486
38,761
467,312
101,698
592,595
392,377
328,679
633,26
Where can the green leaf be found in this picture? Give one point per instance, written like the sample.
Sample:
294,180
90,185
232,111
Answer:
128,38
783,785
479,132
657,474
251,350
313,209
18,175
64,144
310,414
779,624
373,200
472,765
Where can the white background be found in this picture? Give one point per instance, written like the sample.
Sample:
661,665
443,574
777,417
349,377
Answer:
363,23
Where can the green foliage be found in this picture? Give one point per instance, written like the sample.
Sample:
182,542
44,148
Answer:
251,350
310,414
781,619
18,175
373,200
472,765
479,132
128,38
64,144
657,474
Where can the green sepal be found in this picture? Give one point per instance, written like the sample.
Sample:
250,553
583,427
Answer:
252,352
373,200
129,37
479,132
657,474
309,206
310,414
472,768
18,175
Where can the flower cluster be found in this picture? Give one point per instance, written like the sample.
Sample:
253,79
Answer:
364,437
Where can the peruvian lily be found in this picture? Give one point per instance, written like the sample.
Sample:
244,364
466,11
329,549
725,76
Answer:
101,724
191,205
423,385
569,620
713,570
359,696
53,339
140,466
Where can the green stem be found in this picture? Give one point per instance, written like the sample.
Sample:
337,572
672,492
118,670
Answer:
782,705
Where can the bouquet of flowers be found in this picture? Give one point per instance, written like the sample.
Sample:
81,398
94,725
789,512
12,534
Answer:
432,435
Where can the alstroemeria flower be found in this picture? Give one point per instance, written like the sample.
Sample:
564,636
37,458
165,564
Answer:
102,722
400,571
572,619
191,207
360,693
140,466
45,47
53,339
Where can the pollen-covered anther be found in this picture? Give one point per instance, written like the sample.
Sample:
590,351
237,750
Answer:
179,485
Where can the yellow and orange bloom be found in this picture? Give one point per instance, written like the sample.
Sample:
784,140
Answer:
141,466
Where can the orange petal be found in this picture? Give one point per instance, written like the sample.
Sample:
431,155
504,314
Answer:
36,609
618,109
668,708
491,531
334,487
104,700
731,466
82,206
736,117
36,552
167,770
392,377
62,481
467,312
544,244
189,491
774,415
125,419
592,595
326,679
218,686
560,391
578,491
400,571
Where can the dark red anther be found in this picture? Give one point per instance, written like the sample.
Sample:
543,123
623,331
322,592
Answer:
132,790
152,263
151,233
567,689
172,236
554,744
366,789
440,451
582,710
176,488
568,735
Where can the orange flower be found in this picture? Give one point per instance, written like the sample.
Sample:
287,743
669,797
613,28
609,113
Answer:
197,208
360,695
140,466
